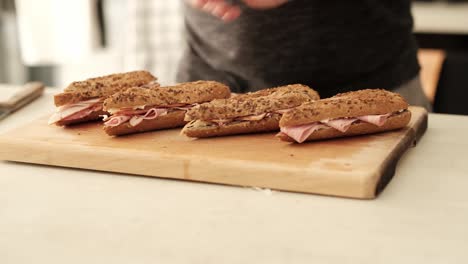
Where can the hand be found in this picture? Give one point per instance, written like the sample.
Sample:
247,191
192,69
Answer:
264,4
227,12
218,8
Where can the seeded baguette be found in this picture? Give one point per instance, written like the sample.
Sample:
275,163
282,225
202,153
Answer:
103,86
360,128
279,91
352,104
263,101
170,120
369,94
203,129
184,93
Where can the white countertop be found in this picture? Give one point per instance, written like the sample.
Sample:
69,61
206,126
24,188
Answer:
57,215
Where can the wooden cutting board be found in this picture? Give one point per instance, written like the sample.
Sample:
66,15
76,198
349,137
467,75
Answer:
357,167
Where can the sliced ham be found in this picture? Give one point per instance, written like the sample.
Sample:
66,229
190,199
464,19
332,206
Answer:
134,117
141,109
378,120
154,112
150,114
117,120
54,118
84,113
76,111
341,124
301,133
86,103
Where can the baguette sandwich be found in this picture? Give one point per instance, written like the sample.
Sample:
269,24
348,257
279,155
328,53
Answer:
246,113
82,101
348,114
139,110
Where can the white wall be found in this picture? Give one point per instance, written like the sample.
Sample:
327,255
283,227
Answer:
105,61
11,68
159,54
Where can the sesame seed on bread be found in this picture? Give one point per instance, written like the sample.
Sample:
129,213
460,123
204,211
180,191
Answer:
256,103
281,90
184,93
351,104
102,86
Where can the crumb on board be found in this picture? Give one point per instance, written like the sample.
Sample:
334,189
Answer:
263,190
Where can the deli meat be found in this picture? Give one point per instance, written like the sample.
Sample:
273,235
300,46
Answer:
76,111
134,117
301,133
341,124
116,121
378,120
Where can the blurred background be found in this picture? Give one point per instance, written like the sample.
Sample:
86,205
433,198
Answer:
77,39
56,42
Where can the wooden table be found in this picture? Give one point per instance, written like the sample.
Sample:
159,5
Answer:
56,215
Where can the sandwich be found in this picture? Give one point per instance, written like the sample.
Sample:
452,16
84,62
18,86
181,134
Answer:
82,101
254,112
348,114
140,109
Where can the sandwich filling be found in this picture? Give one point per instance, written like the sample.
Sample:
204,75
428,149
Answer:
76,111
300,133
134,116
227,121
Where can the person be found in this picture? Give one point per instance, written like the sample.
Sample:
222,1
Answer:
332,46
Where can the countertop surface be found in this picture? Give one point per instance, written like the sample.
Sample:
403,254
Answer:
58,215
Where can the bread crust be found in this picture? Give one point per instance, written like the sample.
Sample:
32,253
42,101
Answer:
203,129
102,86
94,116
352,104
260,102
281,90
361,128
170,120
184,93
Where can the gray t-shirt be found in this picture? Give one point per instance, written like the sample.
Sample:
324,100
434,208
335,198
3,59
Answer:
332,46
